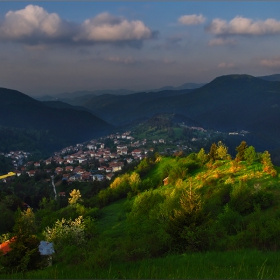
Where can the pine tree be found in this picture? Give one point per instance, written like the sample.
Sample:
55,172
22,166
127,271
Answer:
213,152
267,164
241,151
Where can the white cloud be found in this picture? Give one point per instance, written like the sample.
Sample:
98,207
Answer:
222,42
225,65
271,63
33,25
243,26
107,28
192,19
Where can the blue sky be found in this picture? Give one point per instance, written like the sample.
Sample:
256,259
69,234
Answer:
53,47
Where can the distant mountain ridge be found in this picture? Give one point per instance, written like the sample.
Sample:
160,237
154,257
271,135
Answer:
228,103
85,94
272,78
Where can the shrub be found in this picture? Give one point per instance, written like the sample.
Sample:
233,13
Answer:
230,220
66,232
24,254
241,198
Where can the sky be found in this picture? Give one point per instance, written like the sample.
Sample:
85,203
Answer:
50,47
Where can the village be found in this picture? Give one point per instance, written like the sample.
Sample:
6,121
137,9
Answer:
88,161
95,160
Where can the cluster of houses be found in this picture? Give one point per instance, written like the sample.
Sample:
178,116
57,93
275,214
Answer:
242,133
17,157
89,161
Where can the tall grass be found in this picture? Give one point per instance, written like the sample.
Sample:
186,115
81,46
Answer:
249,264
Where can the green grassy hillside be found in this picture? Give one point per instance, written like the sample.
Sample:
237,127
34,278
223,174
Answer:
197,216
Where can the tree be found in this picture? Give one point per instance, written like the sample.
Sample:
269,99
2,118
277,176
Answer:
187,223
267,164
213,152
134,181
250,154
201,156
241,151
24,254
75,197
222,151
66,232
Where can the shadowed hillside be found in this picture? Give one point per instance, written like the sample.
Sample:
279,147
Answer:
63,126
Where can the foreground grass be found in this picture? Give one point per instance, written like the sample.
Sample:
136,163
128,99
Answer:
247,264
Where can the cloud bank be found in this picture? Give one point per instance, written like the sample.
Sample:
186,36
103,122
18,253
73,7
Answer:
272,62
243,26
192,19
34,25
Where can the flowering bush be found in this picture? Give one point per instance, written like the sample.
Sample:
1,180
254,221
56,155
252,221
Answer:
66,232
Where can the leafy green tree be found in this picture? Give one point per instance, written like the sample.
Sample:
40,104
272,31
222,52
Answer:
134,181
202,156
177,171
250,154
241,151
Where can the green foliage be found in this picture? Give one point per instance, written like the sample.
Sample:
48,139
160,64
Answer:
66,232
144,166
241,198
261,231
230,220
6,224
24,254
202,156
222,151
186,225
213,152
267,164
178,171
241,151
146,234
250,154
263,199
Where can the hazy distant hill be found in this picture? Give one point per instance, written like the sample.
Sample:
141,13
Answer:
272,78
64,126
184,86
78,97
120,110
63,105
